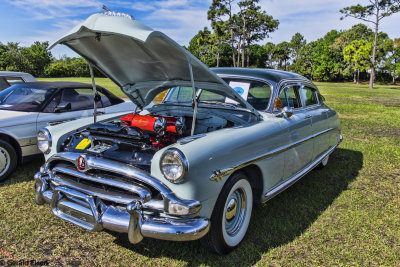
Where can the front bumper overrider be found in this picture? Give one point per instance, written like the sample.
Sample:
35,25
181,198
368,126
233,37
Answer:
93,211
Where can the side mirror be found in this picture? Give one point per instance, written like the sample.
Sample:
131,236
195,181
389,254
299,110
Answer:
63,107
287,112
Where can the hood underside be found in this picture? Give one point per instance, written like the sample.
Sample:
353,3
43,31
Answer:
143,62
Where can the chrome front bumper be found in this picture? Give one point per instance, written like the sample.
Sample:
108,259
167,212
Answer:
93,213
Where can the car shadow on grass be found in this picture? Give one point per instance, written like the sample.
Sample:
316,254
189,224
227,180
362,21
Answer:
276,223
25,171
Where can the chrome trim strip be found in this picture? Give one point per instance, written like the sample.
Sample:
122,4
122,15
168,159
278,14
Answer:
218,175
278,189
143,192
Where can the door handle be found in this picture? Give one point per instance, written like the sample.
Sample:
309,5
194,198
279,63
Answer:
308,116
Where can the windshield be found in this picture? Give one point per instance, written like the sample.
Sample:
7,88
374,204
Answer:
184,95
256,93
22,97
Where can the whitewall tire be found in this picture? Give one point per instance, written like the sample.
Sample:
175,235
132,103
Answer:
231,215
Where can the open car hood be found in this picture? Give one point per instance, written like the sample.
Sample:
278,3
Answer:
143,62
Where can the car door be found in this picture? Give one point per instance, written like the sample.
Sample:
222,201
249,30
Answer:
309,97
300,146
81,105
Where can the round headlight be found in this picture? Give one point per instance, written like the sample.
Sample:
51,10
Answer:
44,141
173,165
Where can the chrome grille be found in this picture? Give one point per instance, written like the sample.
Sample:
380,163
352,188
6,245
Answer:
102,185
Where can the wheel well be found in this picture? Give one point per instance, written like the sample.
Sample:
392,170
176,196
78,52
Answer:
14,144
254,174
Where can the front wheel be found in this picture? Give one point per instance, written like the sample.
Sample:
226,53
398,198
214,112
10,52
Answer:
8,160
231,215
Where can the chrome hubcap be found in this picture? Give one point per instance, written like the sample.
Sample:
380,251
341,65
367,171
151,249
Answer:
231,210
4,161
235,211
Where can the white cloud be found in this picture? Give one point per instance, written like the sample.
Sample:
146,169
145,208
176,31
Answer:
179,19
49,9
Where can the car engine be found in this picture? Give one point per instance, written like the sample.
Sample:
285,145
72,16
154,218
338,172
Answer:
134,139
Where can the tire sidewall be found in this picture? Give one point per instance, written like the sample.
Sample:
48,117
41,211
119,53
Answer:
233,241
215,240
12,158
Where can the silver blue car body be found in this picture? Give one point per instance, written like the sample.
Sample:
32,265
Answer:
265,149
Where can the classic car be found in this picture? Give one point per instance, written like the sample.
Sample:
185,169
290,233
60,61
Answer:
26,108
193,166
8,78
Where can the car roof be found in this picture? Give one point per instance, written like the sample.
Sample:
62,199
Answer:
267,74
25,76
63,85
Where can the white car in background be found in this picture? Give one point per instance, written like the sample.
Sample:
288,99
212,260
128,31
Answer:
26,108
8,78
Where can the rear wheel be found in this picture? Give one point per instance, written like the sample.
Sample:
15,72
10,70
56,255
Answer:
8,159
231,215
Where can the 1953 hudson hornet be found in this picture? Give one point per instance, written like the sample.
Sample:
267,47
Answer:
192,166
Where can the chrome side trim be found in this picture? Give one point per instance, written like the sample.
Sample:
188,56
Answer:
218,175
278,189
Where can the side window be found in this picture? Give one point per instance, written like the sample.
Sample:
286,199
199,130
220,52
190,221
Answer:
180,94
256,93
289,97
104,101
14,80
259,94
3,83
53,104
308,96
80,99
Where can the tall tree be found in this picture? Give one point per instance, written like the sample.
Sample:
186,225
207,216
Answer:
282,54
358,56
392,61
296,43
269,51
256,25
373,13
218,10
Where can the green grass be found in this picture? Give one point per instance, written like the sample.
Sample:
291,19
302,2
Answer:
346,214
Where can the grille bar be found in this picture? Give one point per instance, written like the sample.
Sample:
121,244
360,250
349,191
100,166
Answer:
132,187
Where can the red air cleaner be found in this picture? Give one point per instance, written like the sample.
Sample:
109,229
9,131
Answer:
147,123
156,124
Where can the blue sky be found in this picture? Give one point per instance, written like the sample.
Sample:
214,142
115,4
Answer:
26,21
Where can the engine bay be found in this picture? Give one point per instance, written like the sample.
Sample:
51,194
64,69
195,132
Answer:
134,138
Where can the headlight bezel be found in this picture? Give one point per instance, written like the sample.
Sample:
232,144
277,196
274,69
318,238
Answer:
185,166
45,134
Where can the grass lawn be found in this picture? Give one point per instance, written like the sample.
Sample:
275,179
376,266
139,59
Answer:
345,214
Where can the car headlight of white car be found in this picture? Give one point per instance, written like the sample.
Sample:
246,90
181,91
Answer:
44,141
173,165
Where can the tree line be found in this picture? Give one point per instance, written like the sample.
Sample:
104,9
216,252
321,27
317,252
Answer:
234,39
38,61
354,54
